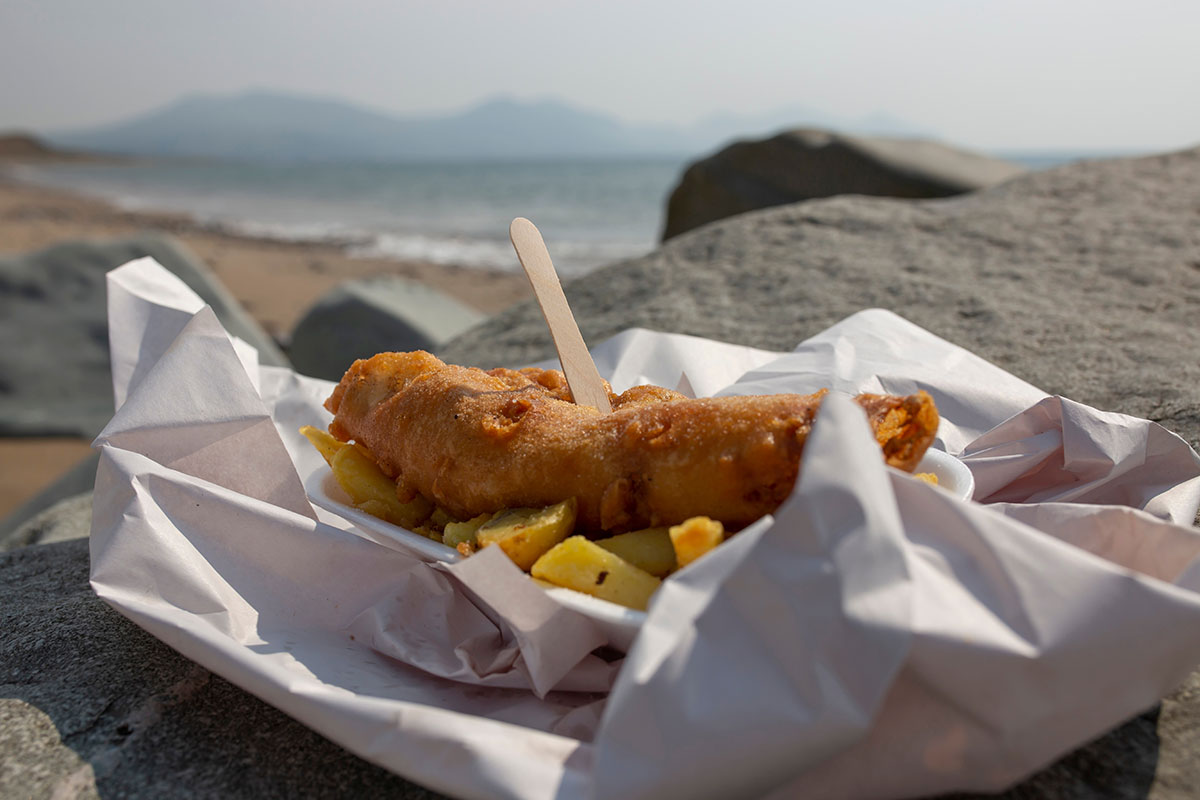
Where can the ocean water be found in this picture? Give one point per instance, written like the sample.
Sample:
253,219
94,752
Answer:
589,212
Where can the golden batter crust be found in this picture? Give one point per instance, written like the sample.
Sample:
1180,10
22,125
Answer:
474,442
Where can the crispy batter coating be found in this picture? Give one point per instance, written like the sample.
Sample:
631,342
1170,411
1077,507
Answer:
474,442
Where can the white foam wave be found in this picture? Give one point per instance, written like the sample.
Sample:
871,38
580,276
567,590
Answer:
336,234
570,257
360,229
471,252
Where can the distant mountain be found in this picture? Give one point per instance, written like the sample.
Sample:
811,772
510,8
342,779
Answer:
271,126
25,147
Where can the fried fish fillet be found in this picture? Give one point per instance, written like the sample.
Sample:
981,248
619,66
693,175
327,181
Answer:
473,442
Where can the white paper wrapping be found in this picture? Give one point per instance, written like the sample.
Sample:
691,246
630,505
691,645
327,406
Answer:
875,638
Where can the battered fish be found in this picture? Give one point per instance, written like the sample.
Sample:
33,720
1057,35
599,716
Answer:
473,442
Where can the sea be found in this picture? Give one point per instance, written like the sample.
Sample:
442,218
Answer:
590,212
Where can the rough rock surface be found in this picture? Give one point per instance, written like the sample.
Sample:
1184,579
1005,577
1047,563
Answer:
55,378
92,706
361,318
805,164
76,481
64,520
1083,280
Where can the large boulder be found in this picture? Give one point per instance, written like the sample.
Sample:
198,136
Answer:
19,527
92,706
805,164
361,318
61,521
55,376
1083,280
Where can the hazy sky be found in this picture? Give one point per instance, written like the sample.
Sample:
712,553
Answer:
1016,74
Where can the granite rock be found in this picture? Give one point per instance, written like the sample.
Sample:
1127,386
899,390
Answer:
79,480
62,521
361,318
1083,280
92,706
55,378
805,164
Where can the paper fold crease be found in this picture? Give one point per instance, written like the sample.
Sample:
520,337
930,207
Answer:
876,637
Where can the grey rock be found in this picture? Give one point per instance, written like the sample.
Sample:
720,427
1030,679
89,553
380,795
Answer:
55,377
76,481
90,705
64,520
805,164
361,318
1083,280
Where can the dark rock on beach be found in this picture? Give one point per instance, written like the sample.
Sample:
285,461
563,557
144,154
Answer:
38,519
375,315
806,164
1083,280
92,706
61,521
55,376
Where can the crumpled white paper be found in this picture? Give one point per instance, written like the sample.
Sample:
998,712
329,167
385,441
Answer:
875,638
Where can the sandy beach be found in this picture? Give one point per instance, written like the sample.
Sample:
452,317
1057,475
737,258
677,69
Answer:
275,281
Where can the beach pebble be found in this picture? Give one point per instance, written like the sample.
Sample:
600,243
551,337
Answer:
361,318
804,164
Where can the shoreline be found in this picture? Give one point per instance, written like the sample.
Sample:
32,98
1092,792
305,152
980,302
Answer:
276,280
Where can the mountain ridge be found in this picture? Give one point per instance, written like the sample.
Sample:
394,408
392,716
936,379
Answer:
262,124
